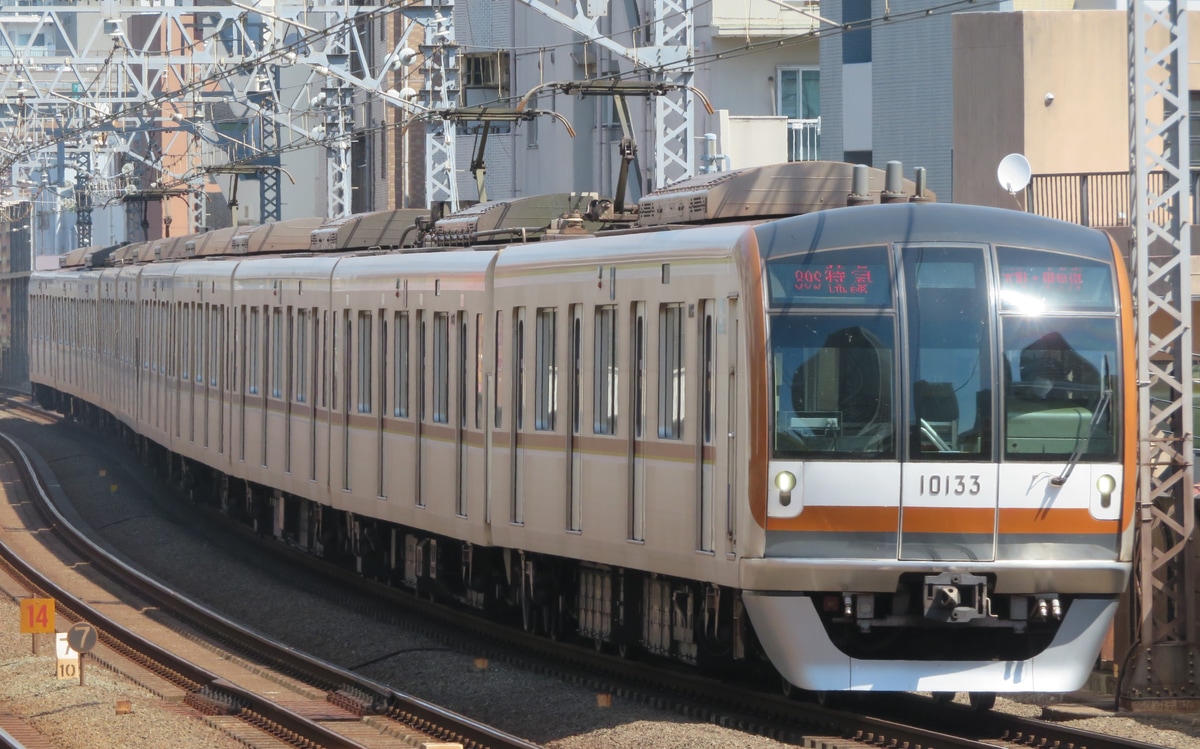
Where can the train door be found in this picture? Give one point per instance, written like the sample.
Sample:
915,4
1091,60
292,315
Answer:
948,504
221,373
288,388
380,424
419,417
460,443
705,445
517,422
574,392
730,400
347,362
637,423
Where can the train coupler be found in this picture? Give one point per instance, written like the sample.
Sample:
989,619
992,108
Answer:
956,597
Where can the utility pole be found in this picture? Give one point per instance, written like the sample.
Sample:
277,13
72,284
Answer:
1160,673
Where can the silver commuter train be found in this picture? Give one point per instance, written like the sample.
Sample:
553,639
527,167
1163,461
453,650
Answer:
898,437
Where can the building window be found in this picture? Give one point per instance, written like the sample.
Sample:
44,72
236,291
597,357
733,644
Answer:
798,97
484,77
856,42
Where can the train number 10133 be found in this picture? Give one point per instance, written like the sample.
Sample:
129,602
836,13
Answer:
950,484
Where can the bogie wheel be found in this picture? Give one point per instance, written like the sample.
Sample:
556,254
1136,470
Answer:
981,702
943,698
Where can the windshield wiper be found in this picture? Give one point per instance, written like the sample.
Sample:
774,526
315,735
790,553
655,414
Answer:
1082,442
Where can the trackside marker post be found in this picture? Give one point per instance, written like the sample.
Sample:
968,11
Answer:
37,617
81,638
68,659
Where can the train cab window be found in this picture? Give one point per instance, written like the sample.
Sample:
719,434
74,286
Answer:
834,378
1061,379
1060,346
949,349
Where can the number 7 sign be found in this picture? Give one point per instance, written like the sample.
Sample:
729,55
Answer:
37,615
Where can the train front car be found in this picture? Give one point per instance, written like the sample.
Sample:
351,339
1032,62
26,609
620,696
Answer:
948,496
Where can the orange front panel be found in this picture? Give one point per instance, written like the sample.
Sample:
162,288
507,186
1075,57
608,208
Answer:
840,519
944,520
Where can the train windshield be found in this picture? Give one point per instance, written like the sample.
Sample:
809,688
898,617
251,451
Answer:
1060,337
1050,369
834,378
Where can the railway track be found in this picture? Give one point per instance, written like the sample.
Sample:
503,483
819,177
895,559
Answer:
743,706
266,687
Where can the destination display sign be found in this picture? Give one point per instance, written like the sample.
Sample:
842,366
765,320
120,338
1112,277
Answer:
853,277
1035,281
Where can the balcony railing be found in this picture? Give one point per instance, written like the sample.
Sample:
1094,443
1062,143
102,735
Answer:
1097,198
804,140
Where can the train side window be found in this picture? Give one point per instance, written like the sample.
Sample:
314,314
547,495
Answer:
383,365
441,368
709,363
604,375
324,359
463,381
334,348
201,338
498,368
400,368
546,384
277,353
214,345
576,349
185,344
478,371
671,372
365,367
252,352
519,367
301,355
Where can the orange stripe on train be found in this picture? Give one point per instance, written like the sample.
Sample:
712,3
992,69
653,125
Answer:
944,520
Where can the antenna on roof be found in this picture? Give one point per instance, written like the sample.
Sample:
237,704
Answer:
1013,174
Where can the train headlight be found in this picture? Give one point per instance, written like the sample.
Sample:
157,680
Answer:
1106,485
785,481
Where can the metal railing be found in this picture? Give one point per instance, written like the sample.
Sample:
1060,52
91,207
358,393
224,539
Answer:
804,140
1095,198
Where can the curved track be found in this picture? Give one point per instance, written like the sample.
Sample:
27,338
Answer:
320,697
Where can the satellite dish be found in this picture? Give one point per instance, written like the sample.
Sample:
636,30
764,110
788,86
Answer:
127,169
1014,172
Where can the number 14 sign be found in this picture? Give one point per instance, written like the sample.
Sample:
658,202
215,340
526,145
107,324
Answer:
37,615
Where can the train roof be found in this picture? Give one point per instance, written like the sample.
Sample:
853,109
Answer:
363,231
291,235
215,242
514,219
927,222
761,192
